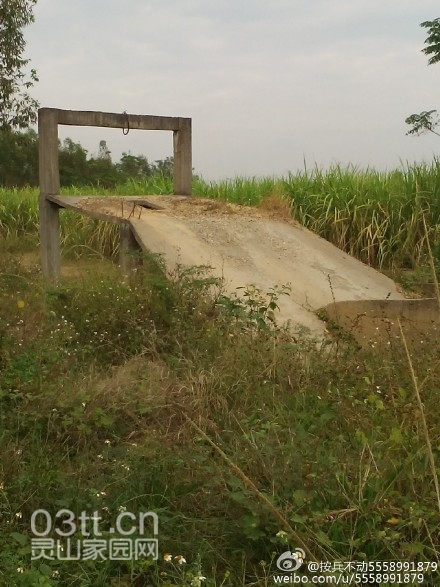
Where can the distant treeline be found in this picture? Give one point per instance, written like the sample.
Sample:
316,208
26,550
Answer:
19,163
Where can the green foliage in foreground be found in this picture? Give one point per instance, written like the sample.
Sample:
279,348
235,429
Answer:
375,216
99,384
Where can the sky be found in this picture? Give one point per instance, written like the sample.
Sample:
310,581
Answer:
270,86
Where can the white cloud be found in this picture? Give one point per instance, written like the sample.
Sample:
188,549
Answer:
265,83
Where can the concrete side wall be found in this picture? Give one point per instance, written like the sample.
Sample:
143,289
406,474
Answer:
376,321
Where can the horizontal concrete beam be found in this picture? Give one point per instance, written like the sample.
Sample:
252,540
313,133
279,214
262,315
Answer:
113,120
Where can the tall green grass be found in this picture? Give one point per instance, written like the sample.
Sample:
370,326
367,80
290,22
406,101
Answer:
243,191
19,226
375,216
372,215
18,212
157,184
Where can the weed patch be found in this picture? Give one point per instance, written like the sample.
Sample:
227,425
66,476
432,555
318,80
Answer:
161,395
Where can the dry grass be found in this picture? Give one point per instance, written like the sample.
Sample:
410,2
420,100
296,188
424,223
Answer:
277,206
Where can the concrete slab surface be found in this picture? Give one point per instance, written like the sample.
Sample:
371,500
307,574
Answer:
247,246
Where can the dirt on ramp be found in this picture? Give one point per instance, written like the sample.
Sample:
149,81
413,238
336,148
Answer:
249,246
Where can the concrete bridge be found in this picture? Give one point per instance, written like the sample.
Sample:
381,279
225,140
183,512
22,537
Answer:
244,246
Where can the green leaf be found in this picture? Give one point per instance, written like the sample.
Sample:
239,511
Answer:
326,416
237,497
63,503
22,539
396,435
299,496
360,436
45,570
402,393
297,519
323,538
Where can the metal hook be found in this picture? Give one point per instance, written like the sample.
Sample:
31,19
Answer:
126,127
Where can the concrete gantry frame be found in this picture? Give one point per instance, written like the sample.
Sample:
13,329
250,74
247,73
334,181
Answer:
48,121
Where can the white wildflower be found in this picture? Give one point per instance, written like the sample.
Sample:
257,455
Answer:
198,580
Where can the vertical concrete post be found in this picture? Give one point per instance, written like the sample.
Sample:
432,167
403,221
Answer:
49,185
183,158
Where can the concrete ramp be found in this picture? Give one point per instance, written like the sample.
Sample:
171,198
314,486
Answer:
248,246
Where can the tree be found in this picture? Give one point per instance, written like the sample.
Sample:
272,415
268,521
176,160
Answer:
164,167
18,158
134,167
433,40
428,120
19,163
17,108
73,164
102,172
